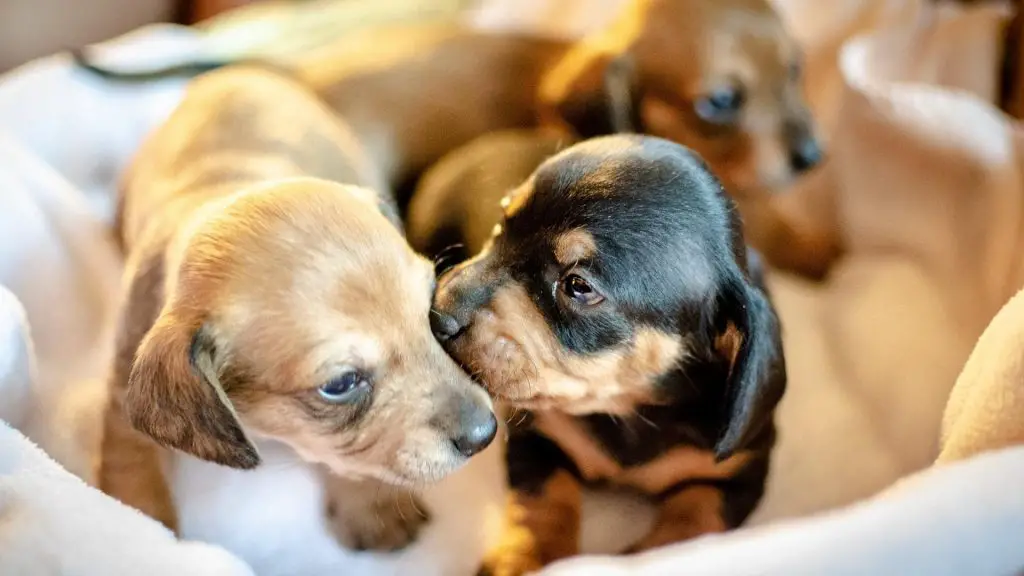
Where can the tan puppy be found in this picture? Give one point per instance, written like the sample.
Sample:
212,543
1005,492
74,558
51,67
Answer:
722,77
268,301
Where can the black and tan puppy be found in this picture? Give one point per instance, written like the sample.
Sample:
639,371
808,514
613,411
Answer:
617,304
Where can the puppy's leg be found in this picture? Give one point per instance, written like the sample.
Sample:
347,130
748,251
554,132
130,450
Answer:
130,462
694,507
542,517
131,470
691,512
370,515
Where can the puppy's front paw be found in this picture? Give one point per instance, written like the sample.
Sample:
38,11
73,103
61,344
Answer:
509,566
362,520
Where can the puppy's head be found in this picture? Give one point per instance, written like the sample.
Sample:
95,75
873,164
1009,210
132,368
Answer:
297,312
722,77
617,278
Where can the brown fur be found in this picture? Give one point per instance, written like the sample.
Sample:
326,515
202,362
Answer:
574,246
541,529
261,265
467,84
695,511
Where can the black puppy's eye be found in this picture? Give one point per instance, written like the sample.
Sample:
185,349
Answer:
345,387
580,291
720,106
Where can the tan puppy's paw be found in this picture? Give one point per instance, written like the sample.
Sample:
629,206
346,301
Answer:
366,515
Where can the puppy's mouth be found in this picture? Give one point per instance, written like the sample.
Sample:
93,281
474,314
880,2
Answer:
496,362
423,476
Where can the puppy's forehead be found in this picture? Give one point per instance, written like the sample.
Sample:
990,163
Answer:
620,175
642,206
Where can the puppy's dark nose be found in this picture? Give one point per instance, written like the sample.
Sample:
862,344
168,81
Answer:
477,432
445,326
805,154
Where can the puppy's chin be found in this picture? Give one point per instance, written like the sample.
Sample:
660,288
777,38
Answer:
411,468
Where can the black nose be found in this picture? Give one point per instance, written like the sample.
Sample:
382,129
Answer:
445,326
476,435
805,154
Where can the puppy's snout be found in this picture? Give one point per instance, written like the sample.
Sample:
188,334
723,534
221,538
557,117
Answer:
458,296
805,154
445,326
477,427
805,149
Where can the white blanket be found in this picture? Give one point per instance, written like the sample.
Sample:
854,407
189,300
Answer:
928,188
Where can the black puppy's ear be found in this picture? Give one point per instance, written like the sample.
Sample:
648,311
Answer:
174,395
593,94
749,337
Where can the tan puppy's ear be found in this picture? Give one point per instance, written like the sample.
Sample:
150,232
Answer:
174,395
592,93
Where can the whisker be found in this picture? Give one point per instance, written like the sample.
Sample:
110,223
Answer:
412,501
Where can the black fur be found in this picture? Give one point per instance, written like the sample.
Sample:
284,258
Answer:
670,256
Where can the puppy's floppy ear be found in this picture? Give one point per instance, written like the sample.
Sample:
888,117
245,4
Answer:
175,397
593,93
749,337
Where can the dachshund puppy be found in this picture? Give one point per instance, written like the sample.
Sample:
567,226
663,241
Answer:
722,77
617,305
270,297
456,203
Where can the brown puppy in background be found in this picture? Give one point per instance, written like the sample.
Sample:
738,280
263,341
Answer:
720,76
271,296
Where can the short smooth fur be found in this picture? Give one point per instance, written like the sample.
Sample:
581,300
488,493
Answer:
617,307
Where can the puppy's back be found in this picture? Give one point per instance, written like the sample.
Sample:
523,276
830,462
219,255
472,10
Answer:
458,199
236,126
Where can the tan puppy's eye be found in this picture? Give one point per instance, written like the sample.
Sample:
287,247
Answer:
721,106
345,388
577,289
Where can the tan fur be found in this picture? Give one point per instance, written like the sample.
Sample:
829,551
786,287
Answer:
373,516
513,349
673,51
544,527
677,465
680,464
577,444
693,512
541,528
259,270
683,48
574,246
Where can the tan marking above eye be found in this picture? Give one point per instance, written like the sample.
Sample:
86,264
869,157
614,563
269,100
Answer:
573,246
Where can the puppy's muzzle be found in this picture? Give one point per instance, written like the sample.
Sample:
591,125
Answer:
460,293
477,428
805,150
